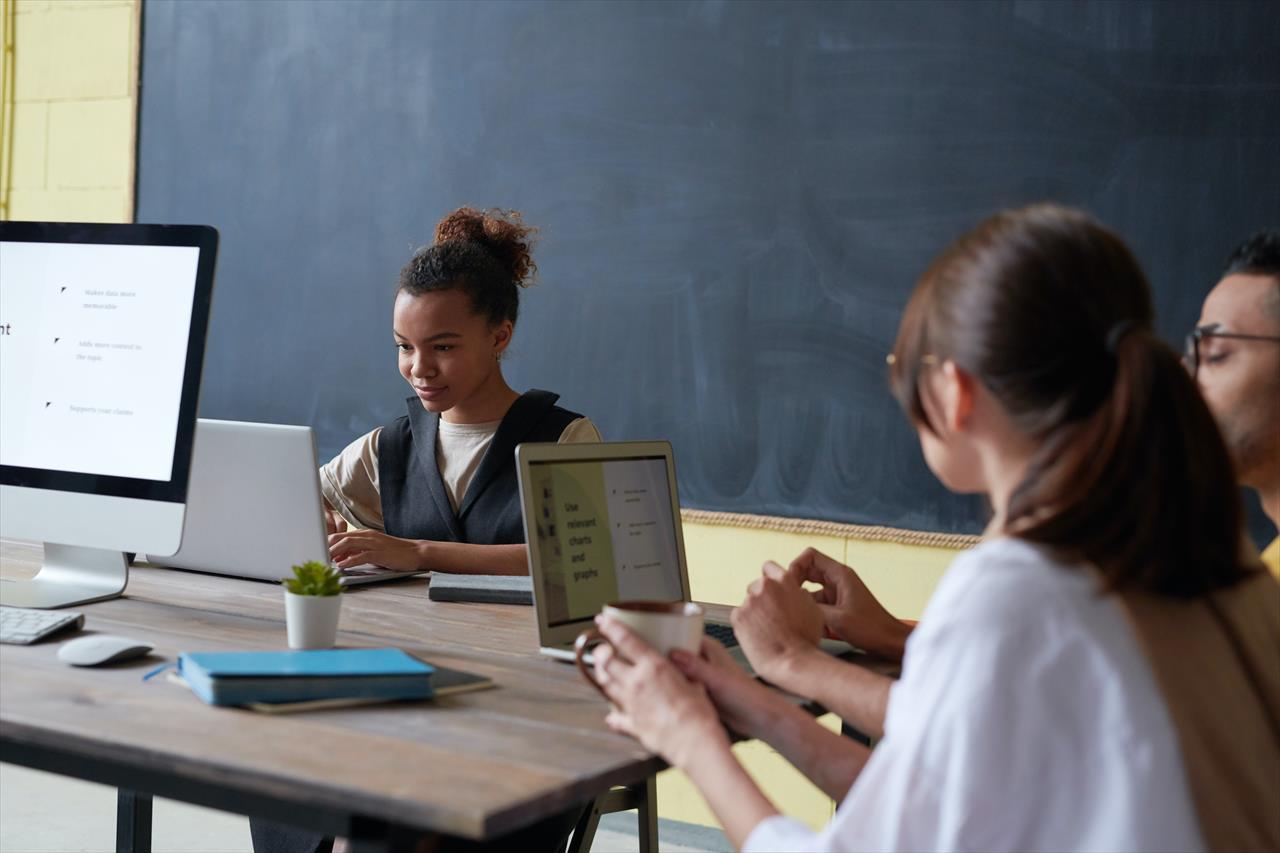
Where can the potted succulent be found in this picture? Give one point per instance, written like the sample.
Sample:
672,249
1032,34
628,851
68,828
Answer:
311,600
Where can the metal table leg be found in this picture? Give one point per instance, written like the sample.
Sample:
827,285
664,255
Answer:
642,796
133,822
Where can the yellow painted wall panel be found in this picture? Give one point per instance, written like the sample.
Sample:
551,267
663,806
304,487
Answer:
902,577
71,205
30,142
74,52
793,794
74,115
724,560
28,6
90,144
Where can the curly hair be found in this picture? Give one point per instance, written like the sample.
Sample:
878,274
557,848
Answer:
484,253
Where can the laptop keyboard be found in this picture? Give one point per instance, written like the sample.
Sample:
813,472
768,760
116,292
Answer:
723,633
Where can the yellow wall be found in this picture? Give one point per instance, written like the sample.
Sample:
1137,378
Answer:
73,159
73,112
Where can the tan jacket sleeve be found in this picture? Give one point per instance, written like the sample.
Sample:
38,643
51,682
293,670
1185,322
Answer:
581,431
349,483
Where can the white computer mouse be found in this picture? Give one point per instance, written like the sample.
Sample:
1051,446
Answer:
101,648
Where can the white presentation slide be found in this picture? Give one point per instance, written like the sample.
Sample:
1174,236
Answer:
644,542
93,347
605,533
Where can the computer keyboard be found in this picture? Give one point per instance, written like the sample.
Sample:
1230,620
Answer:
21,625
723,633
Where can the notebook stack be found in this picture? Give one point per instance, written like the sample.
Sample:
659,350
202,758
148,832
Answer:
288,678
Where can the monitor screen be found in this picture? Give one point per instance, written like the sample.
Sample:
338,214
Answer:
93,342
605,533
101,342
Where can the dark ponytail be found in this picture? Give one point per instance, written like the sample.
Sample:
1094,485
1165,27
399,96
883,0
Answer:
1051,312
1142,488
484,253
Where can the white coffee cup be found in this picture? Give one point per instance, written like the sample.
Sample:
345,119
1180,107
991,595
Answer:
665,625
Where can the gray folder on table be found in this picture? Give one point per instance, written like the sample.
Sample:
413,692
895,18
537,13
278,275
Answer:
490,589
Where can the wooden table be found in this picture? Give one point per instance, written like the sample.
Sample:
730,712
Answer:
475,765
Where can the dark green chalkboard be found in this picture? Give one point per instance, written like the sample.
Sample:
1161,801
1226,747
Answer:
735,198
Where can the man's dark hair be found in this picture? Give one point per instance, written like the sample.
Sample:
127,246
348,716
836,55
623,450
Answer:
1259,255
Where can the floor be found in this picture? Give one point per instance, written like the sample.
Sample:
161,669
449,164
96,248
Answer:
34,810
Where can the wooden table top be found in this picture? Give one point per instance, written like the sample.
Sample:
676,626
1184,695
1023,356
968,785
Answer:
474,765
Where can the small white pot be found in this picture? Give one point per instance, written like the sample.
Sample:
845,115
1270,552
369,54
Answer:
312,620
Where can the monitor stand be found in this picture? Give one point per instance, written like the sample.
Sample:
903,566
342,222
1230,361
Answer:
70,575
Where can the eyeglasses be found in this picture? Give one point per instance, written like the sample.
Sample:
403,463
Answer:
930,360
1191,347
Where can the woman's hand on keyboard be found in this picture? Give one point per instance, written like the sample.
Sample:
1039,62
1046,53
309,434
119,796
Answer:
356,547
334,522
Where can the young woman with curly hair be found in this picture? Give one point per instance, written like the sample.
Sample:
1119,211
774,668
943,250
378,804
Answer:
436,488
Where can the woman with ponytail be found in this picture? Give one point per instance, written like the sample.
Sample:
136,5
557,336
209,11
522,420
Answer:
1103,671
436,488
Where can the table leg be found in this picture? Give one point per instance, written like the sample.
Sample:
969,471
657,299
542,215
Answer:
850,732
647,816
642,796
585,832
394,840
133,822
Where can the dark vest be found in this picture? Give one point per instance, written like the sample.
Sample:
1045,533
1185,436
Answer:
415,504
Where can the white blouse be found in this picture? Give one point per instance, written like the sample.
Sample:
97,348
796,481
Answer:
1026,719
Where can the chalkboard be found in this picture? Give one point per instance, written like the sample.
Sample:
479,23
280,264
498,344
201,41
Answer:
735,198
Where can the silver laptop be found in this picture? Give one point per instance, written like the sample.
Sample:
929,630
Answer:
253,505
603,524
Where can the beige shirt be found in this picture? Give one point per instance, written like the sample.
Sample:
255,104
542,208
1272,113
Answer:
349,481
1216,661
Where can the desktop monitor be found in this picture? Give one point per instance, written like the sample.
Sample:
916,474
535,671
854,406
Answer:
102,334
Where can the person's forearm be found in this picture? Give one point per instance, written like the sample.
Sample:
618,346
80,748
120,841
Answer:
892,641
830,760
733,796
466,559
855,694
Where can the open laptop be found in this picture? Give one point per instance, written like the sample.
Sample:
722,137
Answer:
254,507
603,524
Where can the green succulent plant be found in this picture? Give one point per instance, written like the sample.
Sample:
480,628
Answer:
314,578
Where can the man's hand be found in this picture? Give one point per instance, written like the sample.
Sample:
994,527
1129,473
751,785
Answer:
849,611
778,622
356,547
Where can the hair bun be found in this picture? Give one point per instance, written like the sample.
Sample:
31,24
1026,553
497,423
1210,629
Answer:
501,232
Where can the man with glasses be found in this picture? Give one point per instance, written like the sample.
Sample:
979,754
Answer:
1234,353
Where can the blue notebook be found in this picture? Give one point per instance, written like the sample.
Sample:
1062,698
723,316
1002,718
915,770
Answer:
239,678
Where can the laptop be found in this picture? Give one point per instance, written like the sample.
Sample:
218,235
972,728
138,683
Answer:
254,507
603,524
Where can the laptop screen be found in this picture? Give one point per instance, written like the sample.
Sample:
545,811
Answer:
605,533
